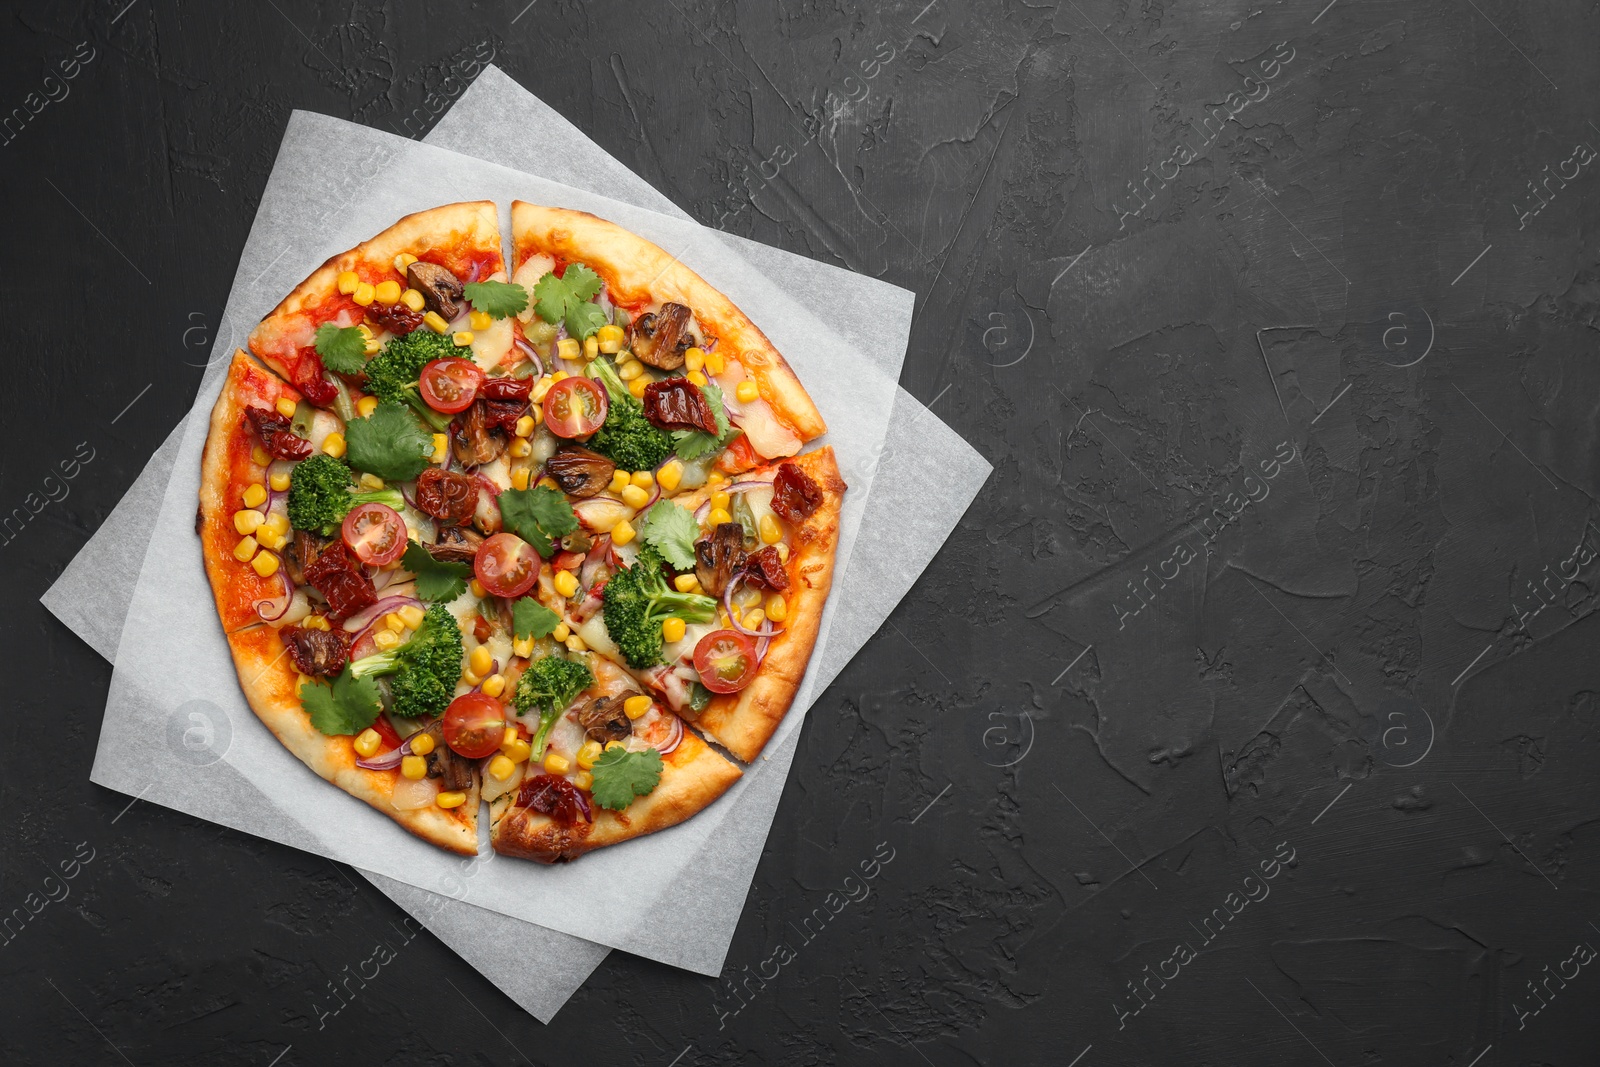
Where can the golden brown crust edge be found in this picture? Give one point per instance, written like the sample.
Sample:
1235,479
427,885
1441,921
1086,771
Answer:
271,686
695,775
639,272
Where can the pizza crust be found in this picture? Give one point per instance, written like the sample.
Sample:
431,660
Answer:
638,272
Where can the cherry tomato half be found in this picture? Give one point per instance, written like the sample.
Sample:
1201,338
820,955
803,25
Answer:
391,739
506,565
474,725
574,407
375,533
726,660
450,385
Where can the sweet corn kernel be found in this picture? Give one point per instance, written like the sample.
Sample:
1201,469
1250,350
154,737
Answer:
566,583
694,359
670,476
591,347
714,363
494,685
366,406
451,798
526,425
561,631
718,516
387,293
697,377
365,293
255,494
500,768
394,622
672,629
637,387
441,447
411,615
588,754
520,447
270,538
412,299
277,522
721,500
630,370
371,348
783,552
317,622
614,744
777,607
479,320
610,332
260,456
480,660
265,563
555,763
348,280
568,348
686,583
754,618
402,261
575,643
583,780
364,329
636,705
435,322
522,646
643,479
517,749
414,767
279,482
559,376
519,478
747,392
748,598
541,387
771,532
462,338
247,521
548,482
620,480
622,533
285,406
386,640
367,742
634,497
370,482
716,477
422,744
245,550
333,444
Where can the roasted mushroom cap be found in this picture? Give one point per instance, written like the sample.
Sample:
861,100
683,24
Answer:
439,288
302,553
476,443
720,557
455,771
579,471
604,720
660,338
456,544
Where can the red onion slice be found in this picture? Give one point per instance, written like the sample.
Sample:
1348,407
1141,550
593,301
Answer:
367,616
532,353
271,609
494,669
674,739
767,627
596,558
472,275
746,486
389,760
702,511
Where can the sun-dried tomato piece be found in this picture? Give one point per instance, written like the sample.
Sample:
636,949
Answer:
555,797
765,568
794,495
309,379
320,653
338,576
678,404
396,318
506,388
276,437
446,495
503,414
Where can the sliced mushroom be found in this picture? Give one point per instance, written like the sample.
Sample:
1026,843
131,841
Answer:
302,553
579,471
476,443
660,338
455,772
720,557
456,544
604,720
439,288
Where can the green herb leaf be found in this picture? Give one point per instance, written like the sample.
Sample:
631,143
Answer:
529,618
539,516
437,579
498,299
348,706
343,350
692,444
620,775
672,531
568,297
388,443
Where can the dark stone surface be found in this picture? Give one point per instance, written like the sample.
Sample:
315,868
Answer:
1106,710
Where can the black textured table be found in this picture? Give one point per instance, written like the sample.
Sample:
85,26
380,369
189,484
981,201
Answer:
1250,715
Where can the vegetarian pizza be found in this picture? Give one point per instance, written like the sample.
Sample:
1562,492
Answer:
537,535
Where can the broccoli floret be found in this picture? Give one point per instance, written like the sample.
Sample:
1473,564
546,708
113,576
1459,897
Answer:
425,668
627,438
550,684
637,599
321,494
392,374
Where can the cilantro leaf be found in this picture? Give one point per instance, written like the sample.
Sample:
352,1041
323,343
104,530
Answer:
498,299
388,443
620,775
437,579
529,618
343,350
539,516
692,444
568,297
348,706
671,530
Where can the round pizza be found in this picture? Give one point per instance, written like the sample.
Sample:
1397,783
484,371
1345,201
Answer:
537,535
